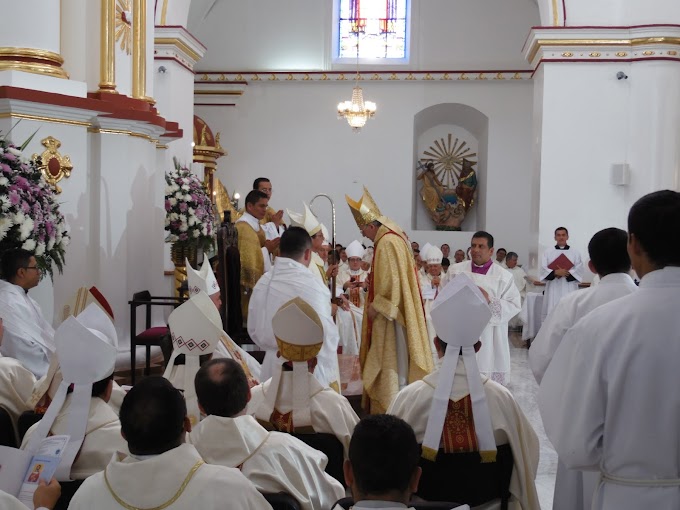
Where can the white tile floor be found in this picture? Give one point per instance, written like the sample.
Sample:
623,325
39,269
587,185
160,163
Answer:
524,388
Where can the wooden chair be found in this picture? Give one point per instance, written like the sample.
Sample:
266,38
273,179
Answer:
150,336
282,501
347,503
332,447
8,435
463,477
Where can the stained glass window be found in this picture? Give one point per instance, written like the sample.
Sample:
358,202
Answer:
379,27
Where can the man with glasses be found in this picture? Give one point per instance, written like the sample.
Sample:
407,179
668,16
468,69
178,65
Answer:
28,337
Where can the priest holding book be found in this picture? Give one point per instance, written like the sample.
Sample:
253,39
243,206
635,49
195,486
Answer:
561,270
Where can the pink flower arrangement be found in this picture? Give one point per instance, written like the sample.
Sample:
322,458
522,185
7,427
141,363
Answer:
29,211
189,216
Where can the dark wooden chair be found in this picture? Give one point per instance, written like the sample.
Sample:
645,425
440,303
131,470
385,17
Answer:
463,477
68,489
347,503
282,501
150,336
8,435
26,421
332,447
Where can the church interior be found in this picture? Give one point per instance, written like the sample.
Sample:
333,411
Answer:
512,117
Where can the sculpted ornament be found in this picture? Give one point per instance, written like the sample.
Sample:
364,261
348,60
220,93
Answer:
53,165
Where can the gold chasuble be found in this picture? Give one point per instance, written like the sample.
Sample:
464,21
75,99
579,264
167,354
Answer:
394,292
250,244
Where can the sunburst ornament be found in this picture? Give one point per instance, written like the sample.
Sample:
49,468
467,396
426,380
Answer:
124,25
447,157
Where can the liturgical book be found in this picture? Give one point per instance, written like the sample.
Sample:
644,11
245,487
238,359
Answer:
561,262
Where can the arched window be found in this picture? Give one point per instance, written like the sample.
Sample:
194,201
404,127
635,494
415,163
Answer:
379,27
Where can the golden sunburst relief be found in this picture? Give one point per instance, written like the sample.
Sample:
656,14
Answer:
447,157
124,25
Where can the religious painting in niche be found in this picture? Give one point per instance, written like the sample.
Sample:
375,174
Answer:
377,26
449,181
53,165
124,25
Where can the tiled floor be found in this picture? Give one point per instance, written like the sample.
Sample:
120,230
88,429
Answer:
524,388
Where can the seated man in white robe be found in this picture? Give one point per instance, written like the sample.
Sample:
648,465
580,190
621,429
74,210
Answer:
28,337
162,471
45,497
607,398
430,284
272,461
293,400
289,278
499,288
86,348
561,270
519,275
16,385
382,470
608,250
478,413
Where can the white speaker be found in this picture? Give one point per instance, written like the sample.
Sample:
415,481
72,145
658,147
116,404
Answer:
620,174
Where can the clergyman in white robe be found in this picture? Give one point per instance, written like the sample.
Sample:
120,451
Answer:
178,479
288,279
28,337
16,386
510,426
607,398
494,355
272,461
555,287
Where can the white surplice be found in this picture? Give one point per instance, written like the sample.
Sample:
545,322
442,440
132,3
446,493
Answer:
510,426
429,292
28,337
607,398
519,276
331,413
16,387
286,280
9,502
272,461
387,505
102,437
154,482
559,287
494,355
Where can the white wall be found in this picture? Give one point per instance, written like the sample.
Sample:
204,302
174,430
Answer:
289,132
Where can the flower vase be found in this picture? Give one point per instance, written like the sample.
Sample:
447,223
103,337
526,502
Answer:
179,253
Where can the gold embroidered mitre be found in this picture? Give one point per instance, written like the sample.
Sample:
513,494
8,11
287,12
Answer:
298,330
365,210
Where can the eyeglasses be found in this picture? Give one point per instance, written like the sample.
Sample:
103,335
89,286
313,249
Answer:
33,267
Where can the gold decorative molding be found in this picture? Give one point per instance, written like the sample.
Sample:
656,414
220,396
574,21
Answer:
638,41
556,19
124,25
181,45
164,13
106,131
621,54
32,60
107,47
40,118
53,165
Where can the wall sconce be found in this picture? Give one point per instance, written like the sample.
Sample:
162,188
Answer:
235,199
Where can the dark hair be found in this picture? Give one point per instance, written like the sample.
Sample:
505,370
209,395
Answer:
384,454
100,387
608,250
445,262
254,196
654,221
445,245
222,387
152,416
484,235
294,242
12,261
256,182
561,228
511,255
502,249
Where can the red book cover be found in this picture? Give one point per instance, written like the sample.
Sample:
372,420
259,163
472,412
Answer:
561,262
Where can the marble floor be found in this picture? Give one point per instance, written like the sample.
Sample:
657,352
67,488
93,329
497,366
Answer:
524,388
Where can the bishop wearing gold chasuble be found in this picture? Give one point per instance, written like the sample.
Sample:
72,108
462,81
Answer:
395,349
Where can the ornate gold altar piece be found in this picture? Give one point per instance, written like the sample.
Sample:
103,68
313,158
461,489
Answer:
179,254
53,165
207,150
449,182
124,25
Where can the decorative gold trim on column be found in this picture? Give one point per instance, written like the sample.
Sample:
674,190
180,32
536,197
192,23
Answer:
53,165
139,51
107,47
164,13
32,60
556,17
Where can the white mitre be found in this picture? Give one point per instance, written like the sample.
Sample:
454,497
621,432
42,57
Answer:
299,335
203,280
424,250
433,256
193,334
459,315
86,347
326,237
355,249
307,220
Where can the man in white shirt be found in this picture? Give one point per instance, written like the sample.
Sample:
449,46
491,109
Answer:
430,285
609,259
272,461
28,337
161,471
607,398
559,281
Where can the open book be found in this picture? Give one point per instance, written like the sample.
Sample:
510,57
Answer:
21,471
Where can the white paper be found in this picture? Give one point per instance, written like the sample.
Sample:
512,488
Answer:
428,291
